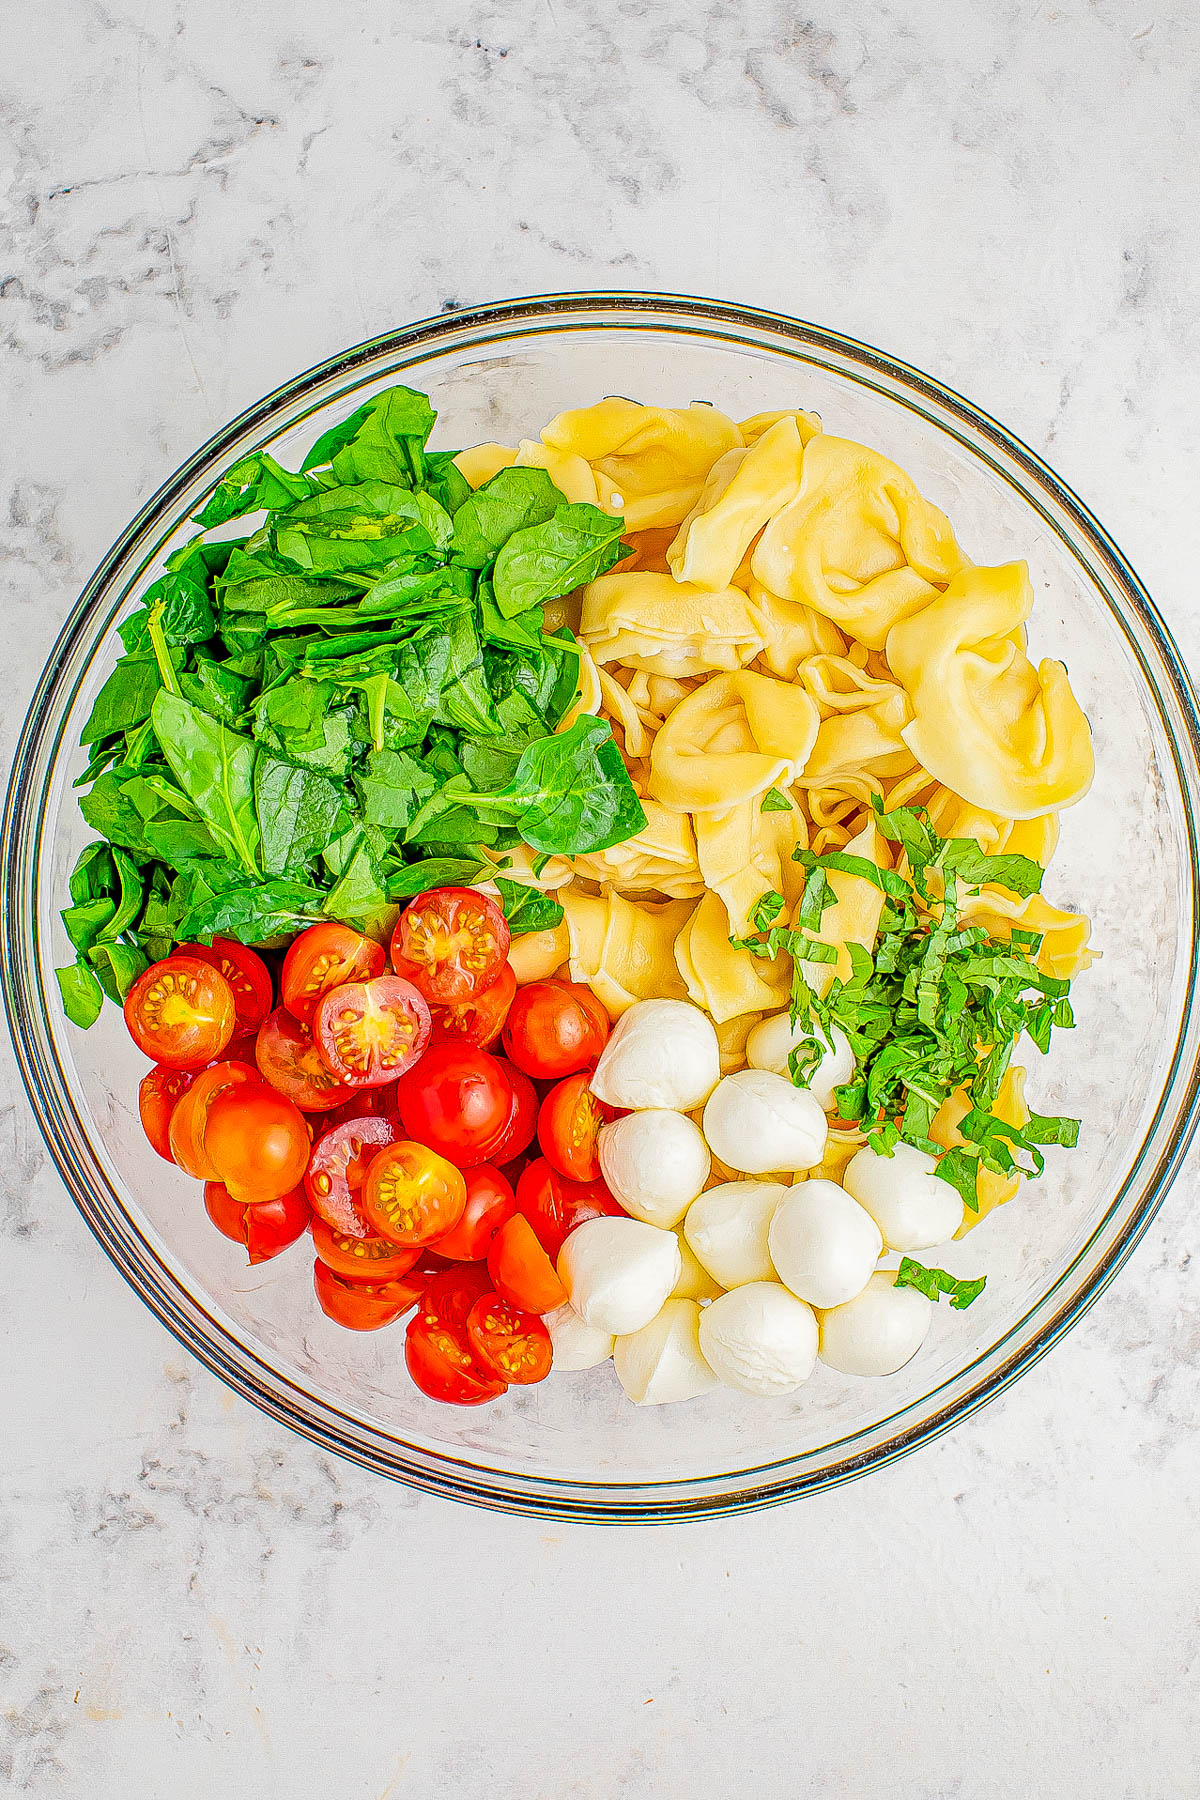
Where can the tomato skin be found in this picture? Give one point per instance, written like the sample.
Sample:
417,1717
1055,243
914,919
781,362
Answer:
324,957
451,943
479,1020
509,1344
180,1012
364,1103
555,1028
521,1271
360,1305
189,1121
521,1123
457,1100
412,1195
159,1093
450,1294
337,1168
569,1122
554,1206
490,1201
258,1142
370,1032
289,1060
247,974
442,1366
265,1230
371,1259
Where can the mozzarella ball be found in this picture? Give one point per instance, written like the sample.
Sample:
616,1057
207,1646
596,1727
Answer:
726,1229
758,1122
576,1345
695,1282
760,1338
655,1162
661,1053
823,1244
618,1272
911,1205
878,1331
772,1042
662,1361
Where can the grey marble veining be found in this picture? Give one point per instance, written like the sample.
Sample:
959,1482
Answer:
196,201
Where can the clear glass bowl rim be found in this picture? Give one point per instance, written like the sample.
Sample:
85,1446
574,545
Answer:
185,1316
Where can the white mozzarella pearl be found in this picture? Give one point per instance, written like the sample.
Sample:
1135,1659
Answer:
695,1282
727,1227
662,1361
758,1122
760,1338
913,1207
661,1053
878,1331
618,1272
577,1345
823,1244
773,1040
655,1162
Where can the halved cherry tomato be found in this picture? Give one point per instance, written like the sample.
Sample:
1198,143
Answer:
520,1269
370,1032
554,1206
324,957
266,1229
247,974
180,1012
478,1020
457,1100
361,1305
521,1123
450,1294
338,1167
490,1200
442,1366
370,1259
159,1093
243,1049
412,1195
257,1141
569,1122
554,1028
364,1103
189,1121
451,943
510,1344
289,1059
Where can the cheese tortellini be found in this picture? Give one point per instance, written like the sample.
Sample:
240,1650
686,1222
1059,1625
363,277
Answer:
734,737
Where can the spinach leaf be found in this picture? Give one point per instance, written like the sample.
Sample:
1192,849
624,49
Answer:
512,500
388,441
215,768
527,908
545,561
251,913
391,785
124,700
430,872
252,484
298,811
571,794
82,995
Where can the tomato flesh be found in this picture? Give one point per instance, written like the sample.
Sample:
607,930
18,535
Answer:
355,1258
554,1028
479,1020
360,1305
189,1121
265,1230
180,1012
370,1032
323,957
411,1195
457,1100
450,1294
442,1366
555,1206
490,1201
288,1058
247,974
521,1271
569,1124
257,1141
510,1344
451,943
159,1093
338,1167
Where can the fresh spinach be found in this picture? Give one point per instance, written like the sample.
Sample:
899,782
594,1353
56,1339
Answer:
542,562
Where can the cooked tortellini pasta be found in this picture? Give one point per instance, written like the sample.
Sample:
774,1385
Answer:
650,462
668,627
734,737
744,490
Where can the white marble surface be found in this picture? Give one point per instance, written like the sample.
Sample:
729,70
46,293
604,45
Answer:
200,198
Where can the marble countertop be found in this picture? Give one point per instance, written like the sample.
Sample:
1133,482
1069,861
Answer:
198,200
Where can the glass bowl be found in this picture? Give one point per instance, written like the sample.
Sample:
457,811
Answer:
574,1447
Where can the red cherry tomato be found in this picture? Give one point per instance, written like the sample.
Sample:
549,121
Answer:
324,957
180,1012
520,1269
569,1124
554,1206
412,1195
490,1200
364,1103
451,943
521,1123
442,1366
337,1169
457,1100
356,1258
554,1028
257,1141
476,1021
266,1229
289,1060
361,1305
510,1344
247,974
189,1122
159,1093
243,1049
370,1032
